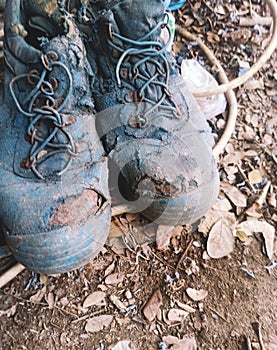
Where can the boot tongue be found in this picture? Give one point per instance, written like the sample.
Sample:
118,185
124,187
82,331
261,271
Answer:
137,18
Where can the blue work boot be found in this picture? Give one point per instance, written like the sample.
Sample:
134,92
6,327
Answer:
54,199
151,126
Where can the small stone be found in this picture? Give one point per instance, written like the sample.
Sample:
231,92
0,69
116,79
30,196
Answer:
153,305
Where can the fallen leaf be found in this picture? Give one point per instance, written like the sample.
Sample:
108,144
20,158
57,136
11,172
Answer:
213,216
220,241
177,315
197,295
118,303
114,278
234,194
110,269
164,235
39,295
256,226
115,231
9,312
255,177
173,343
185,307
50,300
123,345
242,236
222,204
98,323
151,309
96,298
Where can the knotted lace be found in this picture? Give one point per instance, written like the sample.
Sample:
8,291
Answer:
41,108
142,54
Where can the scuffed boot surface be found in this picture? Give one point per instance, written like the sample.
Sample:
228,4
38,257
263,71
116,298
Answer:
54,200
151,126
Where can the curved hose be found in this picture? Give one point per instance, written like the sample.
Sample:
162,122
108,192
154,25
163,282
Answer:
256,66
230,95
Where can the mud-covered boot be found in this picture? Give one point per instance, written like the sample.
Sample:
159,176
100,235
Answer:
54,200
150,124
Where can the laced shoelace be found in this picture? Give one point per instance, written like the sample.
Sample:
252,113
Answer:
47,113
145,52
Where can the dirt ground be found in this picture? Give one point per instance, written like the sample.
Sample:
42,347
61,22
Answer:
170,294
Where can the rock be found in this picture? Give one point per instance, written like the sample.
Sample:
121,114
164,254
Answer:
98,323
151,309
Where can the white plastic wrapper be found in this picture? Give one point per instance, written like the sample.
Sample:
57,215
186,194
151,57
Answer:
197,77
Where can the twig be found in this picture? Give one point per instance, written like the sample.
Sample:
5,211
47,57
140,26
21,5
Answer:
258,329
249,344
11,274
250,8
183,256
163,261
255,19
218,314
246,179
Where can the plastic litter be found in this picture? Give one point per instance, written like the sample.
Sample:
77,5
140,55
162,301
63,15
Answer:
197,77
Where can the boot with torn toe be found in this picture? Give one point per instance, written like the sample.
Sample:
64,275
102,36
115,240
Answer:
54,198
151,126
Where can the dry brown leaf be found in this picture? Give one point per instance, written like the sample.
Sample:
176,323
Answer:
114,278
9,312
110,269
185,307
39,295
175,343
197,295
177,315
118,303
255,177
212,217
115,230
222,204
95,299
253,84
164,235
220,241
240,36
50,300
122,345
153,305
98,323
256,226
234,194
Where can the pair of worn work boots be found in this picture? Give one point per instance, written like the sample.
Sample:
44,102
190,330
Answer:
87,81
